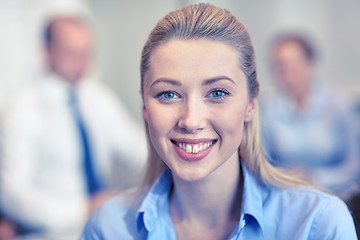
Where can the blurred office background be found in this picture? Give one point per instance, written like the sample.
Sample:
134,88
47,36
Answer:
122,27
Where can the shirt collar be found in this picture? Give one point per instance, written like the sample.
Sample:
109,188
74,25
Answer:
58,88
57,80
63,84
286,106
157,199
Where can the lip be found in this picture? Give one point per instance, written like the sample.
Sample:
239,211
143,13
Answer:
193,157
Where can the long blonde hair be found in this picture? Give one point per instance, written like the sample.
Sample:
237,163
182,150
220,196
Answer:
207,21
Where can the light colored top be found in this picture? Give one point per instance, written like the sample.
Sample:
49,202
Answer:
321,139
267,213
41,173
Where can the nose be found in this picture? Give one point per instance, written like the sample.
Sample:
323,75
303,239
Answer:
192,117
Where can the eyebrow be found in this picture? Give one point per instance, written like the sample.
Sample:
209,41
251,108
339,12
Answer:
177,83
216,79
166,80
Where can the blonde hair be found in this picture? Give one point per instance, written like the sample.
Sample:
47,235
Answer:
207,21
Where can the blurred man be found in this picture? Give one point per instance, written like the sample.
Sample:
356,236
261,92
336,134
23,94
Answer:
61,137
309,125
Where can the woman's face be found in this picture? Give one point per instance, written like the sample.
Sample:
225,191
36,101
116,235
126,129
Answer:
195,103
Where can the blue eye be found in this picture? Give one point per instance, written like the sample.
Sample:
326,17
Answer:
218,93
168,95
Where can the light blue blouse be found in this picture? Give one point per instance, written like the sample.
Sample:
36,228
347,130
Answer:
267,213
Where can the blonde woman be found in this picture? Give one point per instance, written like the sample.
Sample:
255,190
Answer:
207,177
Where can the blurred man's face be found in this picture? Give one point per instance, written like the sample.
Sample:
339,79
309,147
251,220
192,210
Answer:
292,68
70,51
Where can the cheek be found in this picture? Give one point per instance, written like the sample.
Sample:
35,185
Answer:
160,122
229,122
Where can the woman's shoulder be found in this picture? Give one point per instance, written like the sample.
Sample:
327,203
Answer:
319,214
115,219
308,199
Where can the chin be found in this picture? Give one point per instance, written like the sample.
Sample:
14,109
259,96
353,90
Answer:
190,173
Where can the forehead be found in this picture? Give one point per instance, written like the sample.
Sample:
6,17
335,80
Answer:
67,30
290,48
200,58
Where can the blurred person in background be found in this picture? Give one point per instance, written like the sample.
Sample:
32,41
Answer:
62,136
308,125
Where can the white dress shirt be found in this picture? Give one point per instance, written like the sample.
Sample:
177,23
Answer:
41,175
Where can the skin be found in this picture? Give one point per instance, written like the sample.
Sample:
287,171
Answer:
195,89
7,229
69,54
293,71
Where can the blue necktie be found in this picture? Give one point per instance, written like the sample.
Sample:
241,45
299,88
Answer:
92,183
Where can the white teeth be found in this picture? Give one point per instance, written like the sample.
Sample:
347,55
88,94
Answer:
195,148
188,148
201,147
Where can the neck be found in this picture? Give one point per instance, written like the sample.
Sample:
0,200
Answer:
211,202
301,98
300,103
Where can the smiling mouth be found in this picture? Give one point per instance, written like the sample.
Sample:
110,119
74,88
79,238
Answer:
193,147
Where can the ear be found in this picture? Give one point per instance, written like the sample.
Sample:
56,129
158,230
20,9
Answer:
251,110
144,112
